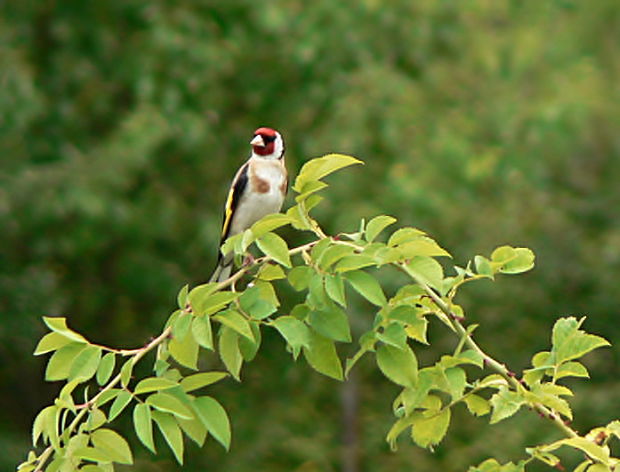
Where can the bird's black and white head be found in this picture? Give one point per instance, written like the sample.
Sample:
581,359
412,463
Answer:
267,143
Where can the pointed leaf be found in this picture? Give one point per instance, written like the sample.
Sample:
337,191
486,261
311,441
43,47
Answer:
106,367
236,321
430,427
367,286
51,342
230,352
59,365
332,323
320,167
214,417
334,287
59,325
85,364
169,404
505,404
171,432
376,225
398,365
153,384
184,351
569,342
275,247
322,356
143,425
113,445
201,330
196,381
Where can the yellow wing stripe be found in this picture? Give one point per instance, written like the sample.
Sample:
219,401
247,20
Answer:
228,211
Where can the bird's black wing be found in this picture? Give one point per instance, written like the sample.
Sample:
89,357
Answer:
234,195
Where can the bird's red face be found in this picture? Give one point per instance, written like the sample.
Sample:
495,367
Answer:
263,142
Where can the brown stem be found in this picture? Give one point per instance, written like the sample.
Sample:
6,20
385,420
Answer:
498,367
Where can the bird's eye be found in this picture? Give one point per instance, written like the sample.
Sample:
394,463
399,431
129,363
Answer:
268,139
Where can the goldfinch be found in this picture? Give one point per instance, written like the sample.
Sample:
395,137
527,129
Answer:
258,189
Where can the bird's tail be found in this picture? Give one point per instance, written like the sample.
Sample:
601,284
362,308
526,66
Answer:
223,269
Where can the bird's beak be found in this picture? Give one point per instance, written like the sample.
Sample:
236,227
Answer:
257,141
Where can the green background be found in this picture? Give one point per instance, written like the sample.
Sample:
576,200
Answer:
483,122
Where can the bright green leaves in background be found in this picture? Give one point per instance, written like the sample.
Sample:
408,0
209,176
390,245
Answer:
331,275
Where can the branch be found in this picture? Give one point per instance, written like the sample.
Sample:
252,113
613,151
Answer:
498,367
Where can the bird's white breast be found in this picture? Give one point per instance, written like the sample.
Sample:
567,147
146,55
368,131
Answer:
258,200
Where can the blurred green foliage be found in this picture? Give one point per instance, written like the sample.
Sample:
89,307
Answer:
482,122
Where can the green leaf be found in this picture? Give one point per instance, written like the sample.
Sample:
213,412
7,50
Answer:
229,351
214,417
569,342
295,332
217,301
354,262
51,342
269,223
398,365
491,465
41,420
322,356
201,330
120,402
96,418
106,367
59,325
169,404
59,365
483,266
143,425
513,260
275,247
112,445
571,369
592,449
91,454
422,246
309,189
236,321
184,351
430,427
249,348
505,404
394,334
477,405
85,364
427,270
320,167
182,297
332,323
106,396
376,225
404,235
196,381
299,277
153,384
126,372
194,429
199,294
367,286
271,272
171,432
456,380
334,287
333,254
181,325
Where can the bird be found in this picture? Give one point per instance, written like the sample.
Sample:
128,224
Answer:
258,189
